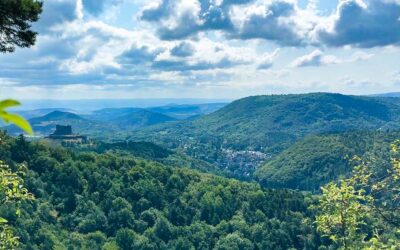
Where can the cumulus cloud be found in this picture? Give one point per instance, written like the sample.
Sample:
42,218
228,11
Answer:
315,58
275,21
362,24
189,42
142,55
57,12
183,49
358,23
177,19
279,20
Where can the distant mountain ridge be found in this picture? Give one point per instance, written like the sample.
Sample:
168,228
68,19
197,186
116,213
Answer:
186,111
45,125
57,115
143,118
261,121
28,114
391,94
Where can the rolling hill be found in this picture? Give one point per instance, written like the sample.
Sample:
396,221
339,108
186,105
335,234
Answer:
182,112
45,125
176,111
269,124
142,118
102,124
392,94
319,159
109,114
29,114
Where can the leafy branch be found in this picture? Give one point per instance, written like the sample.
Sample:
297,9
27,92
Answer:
14,118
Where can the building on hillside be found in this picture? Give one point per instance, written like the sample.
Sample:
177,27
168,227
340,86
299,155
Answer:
65,134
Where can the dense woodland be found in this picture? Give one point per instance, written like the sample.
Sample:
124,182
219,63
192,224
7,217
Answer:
318,159
130,194
139,195
271,124
312,171
109,201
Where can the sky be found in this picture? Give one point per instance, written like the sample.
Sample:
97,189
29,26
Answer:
218,49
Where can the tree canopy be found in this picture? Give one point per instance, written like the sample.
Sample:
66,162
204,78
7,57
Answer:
16,17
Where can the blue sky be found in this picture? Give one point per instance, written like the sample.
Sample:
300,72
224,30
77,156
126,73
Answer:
94,49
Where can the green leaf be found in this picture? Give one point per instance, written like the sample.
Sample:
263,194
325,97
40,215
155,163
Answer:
8,103
2,220
17,120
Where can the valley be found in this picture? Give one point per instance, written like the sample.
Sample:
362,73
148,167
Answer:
238,175
199,125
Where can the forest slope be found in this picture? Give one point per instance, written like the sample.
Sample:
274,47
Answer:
319,159
104,201
269,124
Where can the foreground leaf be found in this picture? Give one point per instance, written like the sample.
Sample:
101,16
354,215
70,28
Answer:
17,120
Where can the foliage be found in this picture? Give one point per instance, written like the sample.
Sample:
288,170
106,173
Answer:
148,150
362,212
269,124
316,160
86,200
13,192
16,17
343,214
13,118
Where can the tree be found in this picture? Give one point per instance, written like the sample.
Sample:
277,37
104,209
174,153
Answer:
16,17
234,241
11,191
342,214
127,239
372,194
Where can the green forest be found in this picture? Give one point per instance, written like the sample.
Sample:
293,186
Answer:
108,201
311,171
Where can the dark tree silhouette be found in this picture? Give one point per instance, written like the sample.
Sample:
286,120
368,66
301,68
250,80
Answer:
16,17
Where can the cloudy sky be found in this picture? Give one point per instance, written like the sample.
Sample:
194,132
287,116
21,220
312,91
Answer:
89,49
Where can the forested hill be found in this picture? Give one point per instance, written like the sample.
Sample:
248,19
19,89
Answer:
316,160
107,201
269,124
266,120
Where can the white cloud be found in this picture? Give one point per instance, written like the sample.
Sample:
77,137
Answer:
242,44
315,58
360,23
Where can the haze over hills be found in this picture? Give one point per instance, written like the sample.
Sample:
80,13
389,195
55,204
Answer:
45,125
186,111
89,105
28,114
142,118
110,120
392,94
